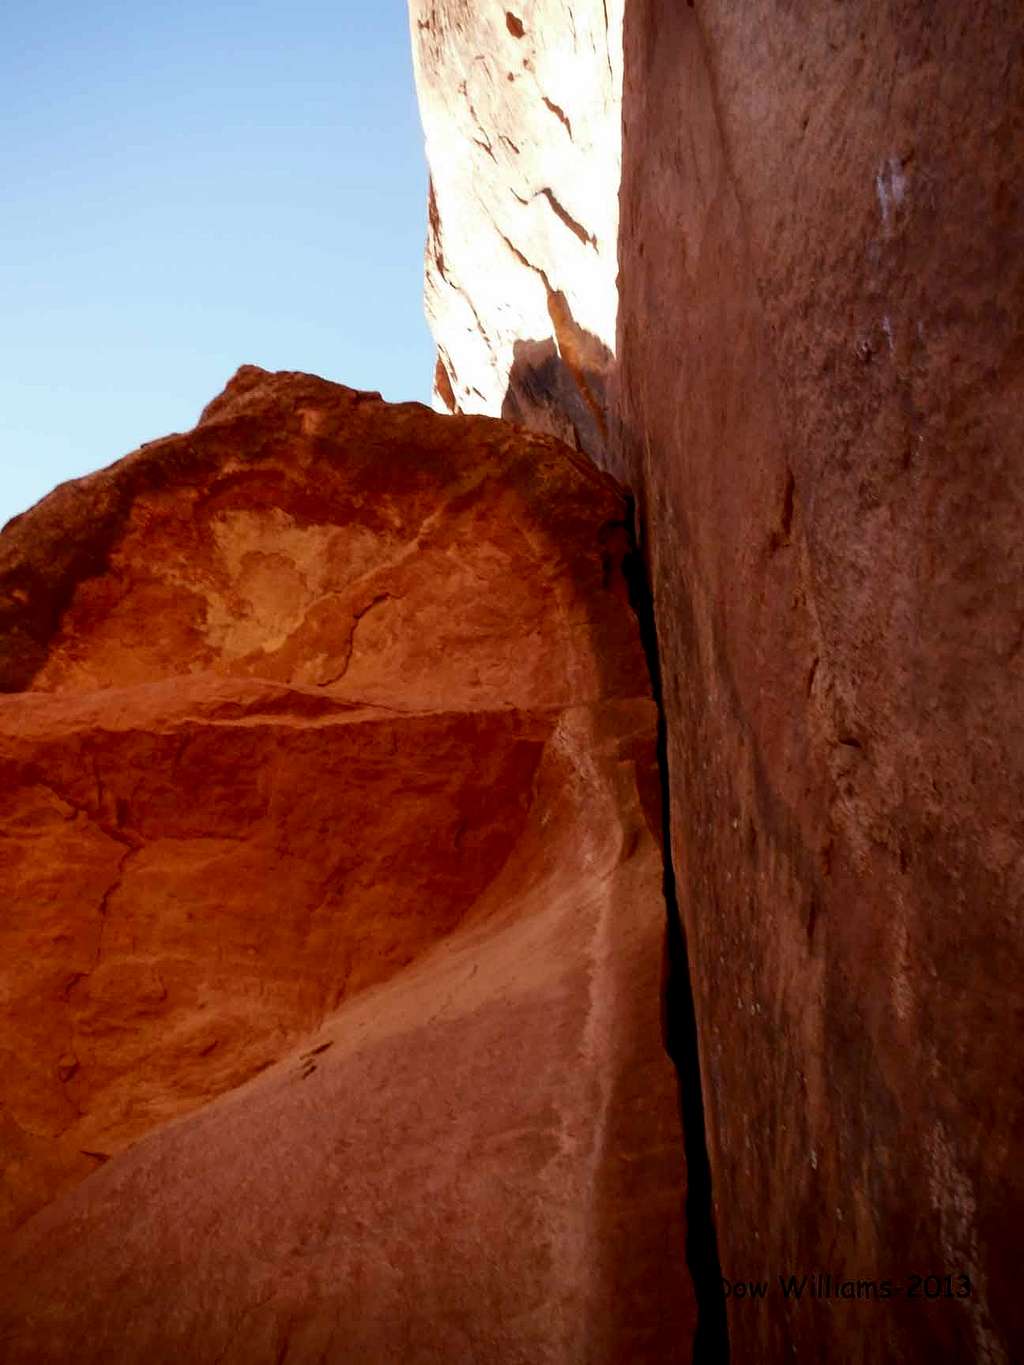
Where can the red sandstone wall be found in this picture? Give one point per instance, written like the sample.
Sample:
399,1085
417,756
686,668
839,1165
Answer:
820,391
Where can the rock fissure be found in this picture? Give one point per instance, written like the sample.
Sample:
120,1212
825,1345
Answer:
563,214
483,141
108,895
711,1338
357,617
559,114
608,43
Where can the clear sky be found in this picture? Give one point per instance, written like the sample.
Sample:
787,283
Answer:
189,187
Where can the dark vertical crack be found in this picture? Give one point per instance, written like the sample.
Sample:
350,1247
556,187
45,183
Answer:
711,1339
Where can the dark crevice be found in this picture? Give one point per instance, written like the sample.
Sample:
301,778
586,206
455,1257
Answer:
559,114
711,1339
576,228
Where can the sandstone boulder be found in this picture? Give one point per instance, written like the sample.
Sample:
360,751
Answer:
330,972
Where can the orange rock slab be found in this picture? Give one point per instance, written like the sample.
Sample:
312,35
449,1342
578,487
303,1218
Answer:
329,972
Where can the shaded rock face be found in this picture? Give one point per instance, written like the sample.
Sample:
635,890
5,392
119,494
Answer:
816,394
328,782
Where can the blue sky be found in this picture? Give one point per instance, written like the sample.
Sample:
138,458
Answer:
189,187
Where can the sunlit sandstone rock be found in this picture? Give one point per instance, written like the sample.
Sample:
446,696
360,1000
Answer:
331,947
522,110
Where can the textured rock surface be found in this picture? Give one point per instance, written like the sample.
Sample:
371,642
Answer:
521,113
328,754
817,394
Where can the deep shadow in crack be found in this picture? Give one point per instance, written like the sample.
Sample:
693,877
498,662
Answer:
711,1339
